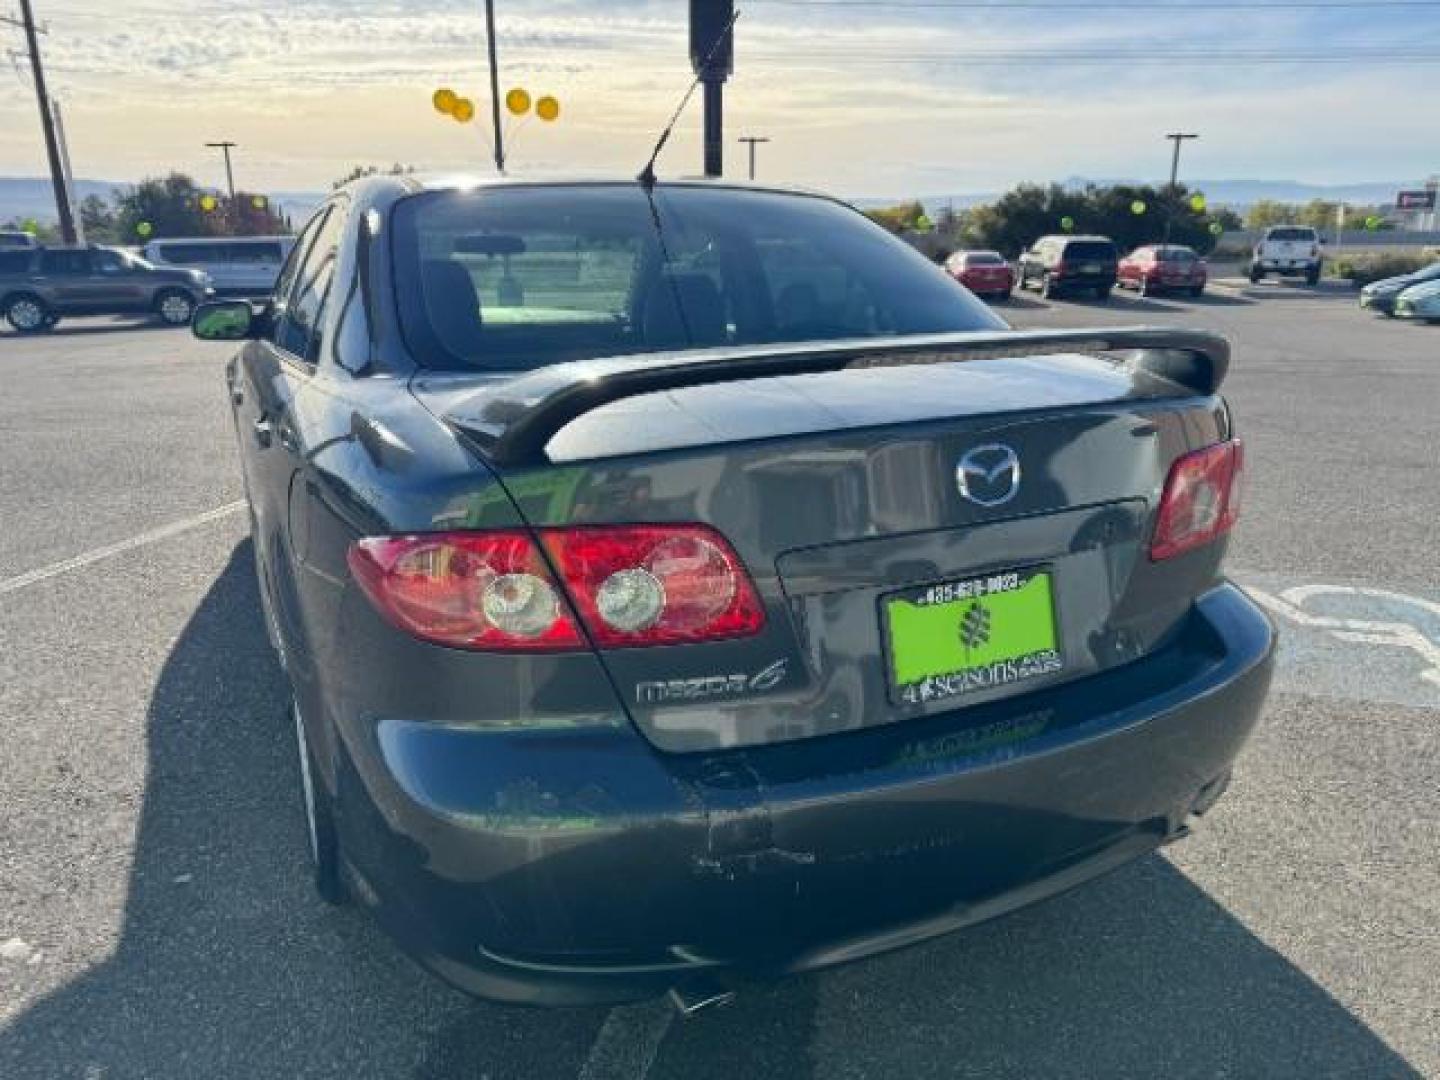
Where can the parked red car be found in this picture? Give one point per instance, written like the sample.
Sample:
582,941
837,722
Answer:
985,273
1155,268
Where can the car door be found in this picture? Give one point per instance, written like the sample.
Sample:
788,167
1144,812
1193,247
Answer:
282,371
117,285
64,276
253,378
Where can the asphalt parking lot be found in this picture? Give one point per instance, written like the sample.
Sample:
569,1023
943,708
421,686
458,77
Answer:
156,919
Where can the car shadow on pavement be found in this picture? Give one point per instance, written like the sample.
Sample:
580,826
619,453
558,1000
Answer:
1139,974
88,327
227,965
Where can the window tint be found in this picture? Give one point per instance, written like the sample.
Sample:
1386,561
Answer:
1290,234
108,262
286,281
250,253
1101,250
192,253
1180,255
299,329
520,277
14,262
983,258
65,263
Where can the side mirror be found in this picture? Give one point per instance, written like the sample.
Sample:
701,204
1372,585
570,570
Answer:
225,320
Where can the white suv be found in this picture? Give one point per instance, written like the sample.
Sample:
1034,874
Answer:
1288,249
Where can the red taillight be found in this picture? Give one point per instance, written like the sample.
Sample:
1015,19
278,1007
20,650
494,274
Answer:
655,584
632,585
1201,501
489,590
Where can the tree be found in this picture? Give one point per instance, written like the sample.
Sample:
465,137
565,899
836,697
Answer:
359,172
253,215
902,218
42,231
1264,213
171,206
98,219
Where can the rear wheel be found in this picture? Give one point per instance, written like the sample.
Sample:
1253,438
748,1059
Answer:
175,306
319,821
1312,276
1255,275
28,314
1197,290
1103,293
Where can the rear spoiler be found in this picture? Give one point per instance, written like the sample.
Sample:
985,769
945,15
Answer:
513,422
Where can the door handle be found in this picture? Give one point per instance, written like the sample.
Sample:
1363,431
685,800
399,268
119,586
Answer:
264,432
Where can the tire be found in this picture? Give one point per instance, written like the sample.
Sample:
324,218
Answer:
319,821
1005,296
28,314
1197,290
1256,276
175,307
1312,277
1103,293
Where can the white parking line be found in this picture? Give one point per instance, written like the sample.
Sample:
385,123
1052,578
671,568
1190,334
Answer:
628,1041
154,536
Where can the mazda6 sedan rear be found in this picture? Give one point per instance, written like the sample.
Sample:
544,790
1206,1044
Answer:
686,584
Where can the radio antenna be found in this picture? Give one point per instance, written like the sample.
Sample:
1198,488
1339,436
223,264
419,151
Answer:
647,174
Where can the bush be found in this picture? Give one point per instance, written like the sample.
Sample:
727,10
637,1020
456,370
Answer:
1363,269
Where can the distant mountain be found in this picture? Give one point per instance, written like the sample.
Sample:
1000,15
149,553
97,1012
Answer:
32,197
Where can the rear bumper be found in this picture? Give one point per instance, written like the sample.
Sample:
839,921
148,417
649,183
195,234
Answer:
566,867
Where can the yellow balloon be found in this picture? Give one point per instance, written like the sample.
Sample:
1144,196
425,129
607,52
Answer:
258,202
547,108
518,101
464,110
207,202
1197,203
445,100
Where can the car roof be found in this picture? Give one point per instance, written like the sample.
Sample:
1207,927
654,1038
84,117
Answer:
218,240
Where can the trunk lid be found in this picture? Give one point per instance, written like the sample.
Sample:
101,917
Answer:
840,490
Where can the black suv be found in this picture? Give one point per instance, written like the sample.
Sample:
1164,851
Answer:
1067,264
39,286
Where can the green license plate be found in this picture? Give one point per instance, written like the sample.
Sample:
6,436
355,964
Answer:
966,637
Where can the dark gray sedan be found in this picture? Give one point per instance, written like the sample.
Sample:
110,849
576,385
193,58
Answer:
688,584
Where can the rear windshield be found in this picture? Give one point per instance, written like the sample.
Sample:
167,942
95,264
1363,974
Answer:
1177,255
516,278
1090,249
1291,234
983,258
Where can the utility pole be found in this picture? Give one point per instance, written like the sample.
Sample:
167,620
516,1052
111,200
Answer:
494,87
47,121
69,173
752,141
1178,138
227,146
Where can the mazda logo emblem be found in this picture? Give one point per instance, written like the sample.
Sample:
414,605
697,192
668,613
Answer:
989,475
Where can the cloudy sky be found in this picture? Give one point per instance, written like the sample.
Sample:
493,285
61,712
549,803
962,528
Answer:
864,98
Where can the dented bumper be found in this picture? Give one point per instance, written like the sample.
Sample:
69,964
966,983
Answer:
582,865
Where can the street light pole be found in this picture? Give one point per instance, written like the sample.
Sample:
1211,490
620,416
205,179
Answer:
494,87
227,146
1177,137
752,141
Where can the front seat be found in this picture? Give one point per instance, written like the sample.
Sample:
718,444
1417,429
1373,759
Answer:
698,320
453,306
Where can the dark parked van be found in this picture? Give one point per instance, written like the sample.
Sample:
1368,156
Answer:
1069,264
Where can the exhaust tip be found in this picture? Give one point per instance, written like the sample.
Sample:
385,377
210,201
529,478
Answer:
699,994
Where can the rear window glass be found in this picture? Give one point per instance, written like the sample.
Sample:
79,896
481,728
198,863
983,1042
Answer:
984,258
253,253
515,278
191,253
1291,234
1090,249
1178,255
